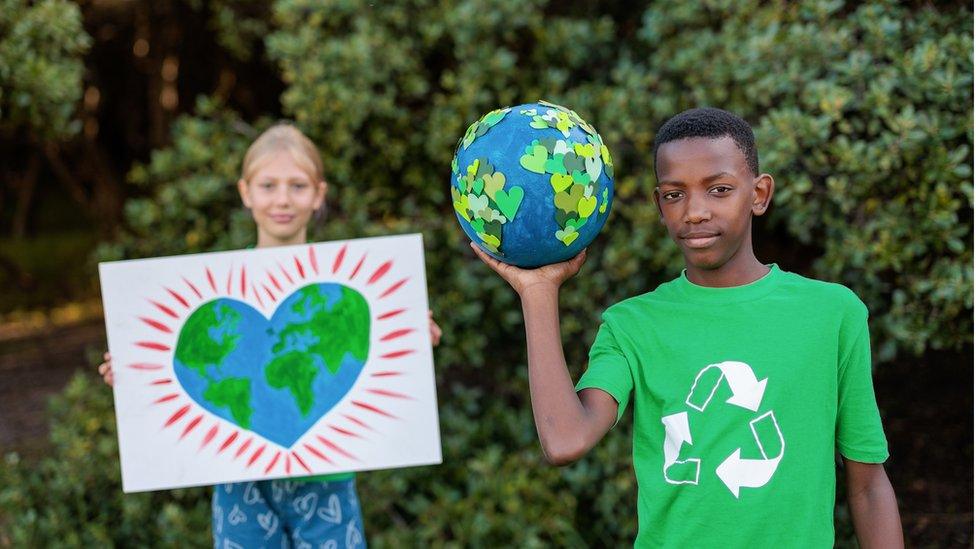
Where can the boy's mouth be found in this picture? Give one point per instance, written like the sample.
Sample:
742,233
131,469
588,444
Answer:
700,239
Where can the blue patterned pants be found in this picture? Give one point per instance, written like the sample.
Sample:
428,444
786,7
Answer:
286,514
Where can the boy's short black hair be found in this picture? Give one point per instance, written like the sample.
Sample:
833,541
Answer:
712,123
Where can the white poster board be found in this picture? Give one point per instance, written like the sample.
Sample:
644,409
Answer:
271,363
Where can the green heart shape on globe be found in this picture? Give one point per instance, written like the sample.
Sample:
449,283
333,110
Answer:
509,202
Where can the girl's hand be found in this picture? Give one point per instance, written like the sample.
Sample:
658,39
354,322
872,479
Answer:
435,330
548,277
105,370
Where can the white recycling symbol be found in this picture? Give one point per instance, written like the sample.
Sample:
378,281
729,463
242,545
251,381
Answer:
734,472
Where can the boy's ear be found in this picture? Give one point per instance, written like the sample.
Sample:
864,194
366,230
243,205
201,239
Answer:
242,190
763,187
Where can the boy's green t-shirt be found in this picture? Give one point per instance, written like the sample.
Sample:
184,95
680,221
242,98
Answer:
740,397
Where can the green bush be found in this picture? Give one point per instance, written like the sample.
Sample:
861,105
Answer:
73,496
863,113
41,49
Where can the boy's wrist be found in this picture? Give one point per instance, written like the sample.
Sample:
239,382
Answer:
538,290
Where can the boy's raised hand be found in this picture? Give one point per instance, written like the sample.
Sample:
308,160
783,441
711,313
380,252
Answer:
569,424
522,280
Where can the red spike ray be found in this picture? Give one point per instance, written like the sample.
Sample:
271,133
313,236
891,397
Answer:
379,272
166,398
230,277
287,464
358,421
338,260
179,298
257,453
284,272
270,295
298,265
274,280
230,440
143,366
336,448
210,279
152,345
156,324
394,288
177,415
192,425
398,354
342,431
166,381
358,266
257,295
243,281
194,288
387,373
318,454
166,310
391,394
390,314
373,409
272,464
312,260
396,333
208,437
300,461
243,448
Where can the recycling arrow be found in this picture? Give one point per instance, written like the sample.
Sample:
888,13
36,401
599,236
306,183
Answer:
737,473
747,391
677,433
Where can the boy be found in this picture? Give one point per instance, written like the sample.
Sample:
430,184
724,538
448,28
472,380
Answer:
744,378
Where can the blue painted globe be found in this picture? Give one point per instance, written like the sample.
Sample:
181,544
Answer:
532,184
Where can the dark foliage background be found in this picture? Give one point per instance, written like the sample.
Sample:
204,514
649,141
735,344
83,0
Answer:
862,111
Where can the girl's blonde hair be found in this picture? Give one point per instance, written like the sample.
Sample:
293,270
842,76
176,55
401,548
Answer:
283,137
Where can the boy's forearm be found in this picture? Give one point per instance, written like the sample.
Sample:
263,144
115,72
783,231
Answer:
874,510
560,417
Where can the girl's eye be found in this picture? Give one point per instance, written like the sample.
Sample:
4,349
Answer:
672,195
266,185
299,185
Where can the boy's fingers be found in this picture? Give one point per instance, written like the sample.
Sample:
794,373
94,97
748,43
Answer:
490,261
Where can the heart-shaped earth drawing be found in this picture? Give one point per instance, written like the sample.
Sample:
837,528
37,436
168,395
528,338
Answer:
278,376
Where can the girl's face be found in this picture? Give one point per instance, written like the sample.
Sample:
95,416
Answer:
282,198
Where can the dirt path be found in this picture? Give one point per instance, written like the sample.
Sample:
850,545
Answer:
34,368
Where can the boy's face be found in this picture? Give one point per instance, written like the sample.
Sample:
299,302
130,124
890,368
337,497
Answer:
707,195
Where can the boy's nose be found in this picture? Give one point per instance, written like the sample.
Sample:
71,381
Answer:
697,211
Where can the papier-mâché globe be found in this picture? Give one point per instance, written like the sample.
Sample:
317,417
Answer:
532,184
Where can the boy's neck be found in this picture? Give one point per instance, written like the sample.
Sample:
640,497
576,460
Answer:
739,270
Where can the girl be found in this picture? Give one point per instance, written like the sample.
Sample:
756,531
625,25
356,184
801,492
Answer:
283,187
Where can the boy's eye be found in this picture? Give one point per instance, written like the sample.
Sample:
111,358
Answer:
266,185
721,189
299,185
672,195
